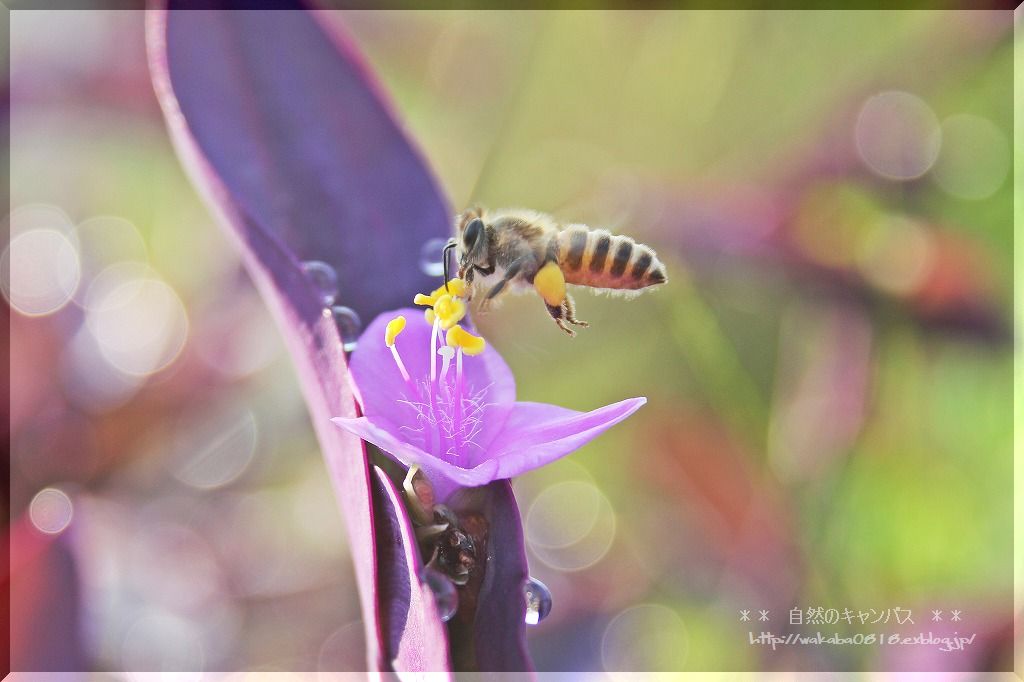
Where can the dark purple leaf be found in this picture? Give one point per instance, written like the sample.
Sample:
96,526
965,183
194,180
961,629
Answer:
283,131
500,616
410,619
290,120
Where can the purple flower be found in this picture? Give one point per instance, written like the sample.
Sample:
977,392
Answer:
464,427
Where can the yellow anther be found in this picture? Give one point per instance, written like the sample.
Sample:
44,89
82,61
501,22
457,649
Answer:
456,287
458,337
449,310
429,315
393,329
550,284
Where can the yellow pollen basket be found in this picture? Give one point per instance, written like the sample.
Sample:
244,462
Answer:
457,337
393,329
550,284
449,310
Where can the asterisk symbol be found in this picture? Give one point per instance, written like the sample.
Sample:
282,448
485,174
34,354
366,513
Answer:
745,615
764,615
956,615
936,615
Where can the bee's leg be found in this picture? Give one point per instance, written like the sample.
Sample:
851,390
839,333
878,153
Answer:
510,274
569,306
550,284
557,312
468,279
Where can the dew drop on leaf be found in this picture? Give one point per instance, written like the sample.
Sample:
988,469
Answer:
538,601
431,257
349,326
445,595
323,278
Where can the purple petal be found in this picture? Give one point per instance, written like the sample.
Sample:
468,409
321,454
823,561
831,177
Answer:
499,628
536,434
388,436
286,115
412,628
381,385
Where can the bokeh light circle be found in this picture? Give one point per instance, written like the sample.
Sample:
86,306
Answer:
570,525
975,157
647,637
212,450
90,383
51,511
553,521
40,271
38,217
897,135
137,319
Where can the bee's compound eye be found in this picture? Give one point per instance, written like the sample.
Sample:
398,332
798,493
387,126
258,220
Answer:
472,233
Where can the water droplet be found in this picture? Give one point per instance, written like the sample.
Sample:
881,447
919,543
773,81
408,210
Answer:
445,595
431,257
324,279
349,326
51,511
538,601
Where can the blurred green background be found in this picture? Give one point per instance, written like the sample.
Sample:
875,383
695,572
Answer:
829,369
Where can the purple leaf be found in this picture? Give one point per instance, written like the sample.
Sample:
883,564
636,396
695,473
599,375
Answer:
282,130
409,621
500,604
291,122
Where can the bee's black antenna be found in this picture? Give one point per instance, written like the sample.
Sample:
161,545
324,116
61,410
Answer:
444,258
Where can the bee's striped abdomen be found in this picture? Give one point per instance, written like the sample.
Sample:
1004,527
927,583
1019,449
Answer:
597,258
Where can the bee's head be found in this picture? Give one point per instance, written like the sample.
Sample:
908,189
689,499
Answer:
472,240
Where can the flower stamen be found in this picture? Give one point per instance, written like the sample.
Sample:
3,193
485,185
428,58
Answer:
435,437
446,353
450,310
456,287
391,333
458,391
460,338
433,354
443,414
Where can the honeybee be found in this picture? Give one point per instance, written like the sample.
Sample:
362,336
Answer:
517,249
